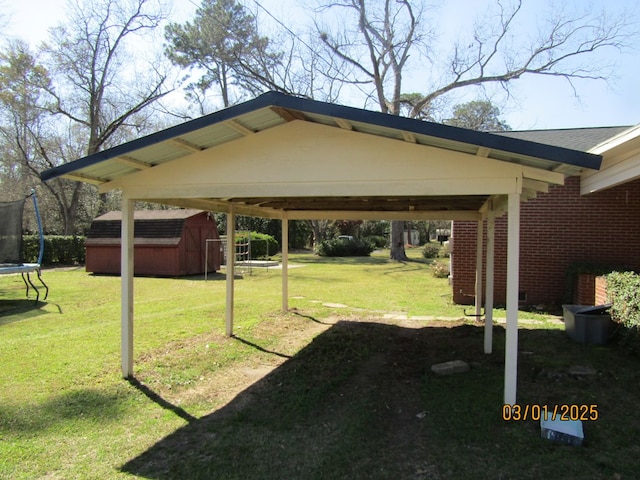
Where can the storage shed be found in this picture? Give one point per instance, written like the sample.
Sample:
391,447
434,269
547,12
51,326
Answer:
167,243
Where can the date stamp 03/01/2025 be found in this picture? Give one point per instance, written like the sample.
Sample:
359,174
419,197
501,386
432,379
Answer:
562,412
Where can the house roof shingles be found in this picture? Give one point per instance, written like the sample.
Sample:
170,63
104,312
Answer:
148,224
581,139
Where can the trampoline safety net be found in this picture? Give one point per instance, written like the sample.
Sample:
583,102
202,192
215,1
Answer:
11,232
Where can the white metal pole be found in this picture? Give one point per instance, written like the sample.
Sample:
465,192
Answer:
126,279
488,298
479,245
513,269
231,260
285,263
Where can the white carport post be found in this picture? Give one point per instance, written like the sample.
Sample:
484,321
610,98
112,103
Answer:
126,279
488,298
285,263
230,268
513,270
479,245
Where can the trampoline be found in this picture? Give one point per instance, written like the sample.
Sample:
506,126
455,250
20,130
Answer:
11,251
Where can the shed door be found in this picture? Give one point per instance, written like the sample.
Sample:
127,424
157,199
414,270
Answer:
196,243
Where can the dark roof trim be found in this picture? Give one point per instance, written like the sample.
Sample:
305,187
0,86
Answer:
276,99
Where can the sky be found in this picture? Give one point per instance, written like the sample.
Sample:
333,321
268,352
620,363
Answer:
537,103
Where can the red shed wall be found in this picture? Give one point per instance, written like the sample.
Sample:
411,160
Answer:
149,259
558,229
162,257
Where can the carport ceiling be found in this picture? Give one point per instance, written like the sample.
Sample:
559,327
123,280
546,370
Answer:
212,134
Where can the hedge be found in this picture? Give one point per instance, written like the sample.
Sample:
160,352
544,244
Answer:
58,249
345,248
262,245
623,289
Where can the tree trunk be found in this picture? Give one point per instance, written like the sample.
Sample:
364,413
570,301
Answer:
318,227
397,241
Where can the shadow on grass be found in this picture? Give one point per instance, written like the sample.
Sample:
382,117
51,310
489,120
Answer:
308,317
12,310
79,405
259,347
157,399
360,401
340,260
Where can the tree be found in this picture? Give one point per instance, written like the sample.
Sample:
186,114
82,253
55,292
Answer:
28,142
81,94
226,53
378,39
223,43
21,83
97,85
479,115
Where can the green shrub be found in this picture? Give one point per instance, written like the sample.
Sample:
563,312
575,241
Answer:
440,269
378,241
624,291
431,250
356,247
444,252
262,245
58,249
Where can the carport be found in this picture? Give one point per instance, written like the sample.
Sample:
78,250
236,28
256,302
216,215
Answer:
291,158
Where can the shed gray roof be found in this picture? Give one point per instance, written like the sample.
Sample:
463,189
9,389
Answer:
148,224
181,213
582,139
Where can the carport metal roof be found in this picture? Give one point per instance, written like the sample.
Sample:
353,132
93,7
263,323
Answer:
272,110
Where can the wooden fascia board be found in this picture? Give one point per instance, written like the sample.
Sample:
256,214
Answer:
617,174
437,187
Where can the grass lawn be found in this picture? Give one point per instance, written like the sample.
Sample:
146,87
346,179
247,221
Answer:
340,387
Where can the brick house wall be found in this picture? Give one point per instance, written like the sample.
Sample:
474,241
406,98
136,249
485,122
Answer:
601,295
557,229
